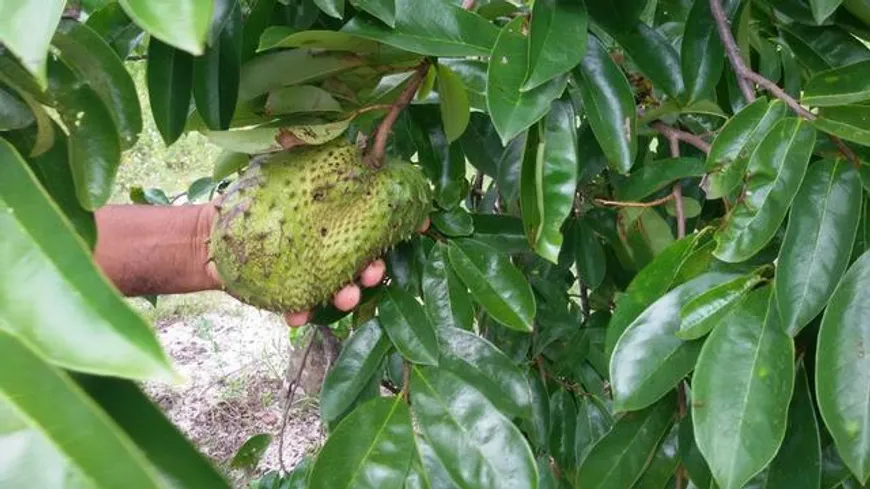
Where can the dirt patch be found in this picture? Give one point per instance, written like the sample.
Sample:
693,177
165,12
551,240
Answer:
235,359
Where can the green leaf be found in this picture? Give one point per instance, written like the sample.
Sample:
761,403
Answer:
408,326
371,448
657,175
798,464
589,255
690,455
839,86
477,444
593,423
822,9
822,48
661,468
548,181
500,232
76,303
94,147
494,282
654,56
301,98
116,28
703,313
850,122
263,139
96,63
555,24
144,422
292,67
216,73
618,460
512,110
332,8
776,169
644,233
730,152
563,413
356,365
455,111
44,124
186,28
444,163
287,37
454,223
200,189
258,19
432,28
843,369
248,456
486,368
31,392
652,282
609,105
481,144
445,296
26,28
383,10
703,56
170,80
14,114
816,249
649,359
743,380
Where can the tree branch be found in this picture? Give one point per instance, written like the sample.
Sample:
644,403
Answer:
291,392
673,137
744,73
671,133
618,203
376,157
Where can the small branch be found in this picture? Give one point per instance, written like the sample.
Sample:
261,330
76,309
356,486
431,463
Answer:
370,108
291,392
376,157
406,381
679,210
618,203
672,133
731,49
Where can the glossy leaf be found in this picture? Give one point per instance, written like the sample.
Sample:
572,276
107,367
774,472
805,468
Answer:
555,24
455,111
654,56
842,369
333,8
291,67
816,249
593,422
443,162
257,20
454,223
82,432
823,8
822,48
512,110
26,28
500,232
703,56
359,360
798,464
657,175
494,282
775,170
703,313
589,255
371,448
446,299
743,380
839,86
14,114
563,414
609,105
170,80
34,228
384,10
216,73
850,122
730,152
432,28
548,181
185,29
477,445
96,63
649,359
661,468
620,457
483,366
407,325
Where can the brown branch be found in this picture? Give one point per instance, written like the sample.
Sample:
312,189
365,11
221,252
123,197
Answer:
291,392
673,138
744,73
370,108
731,49
671,133
618,203
376,157
406,381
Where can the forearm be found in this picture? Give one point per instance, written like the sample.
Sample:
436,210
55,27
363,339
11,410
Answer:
150,250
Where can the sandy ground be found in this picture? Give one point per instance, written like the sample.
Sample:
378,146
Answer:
235,359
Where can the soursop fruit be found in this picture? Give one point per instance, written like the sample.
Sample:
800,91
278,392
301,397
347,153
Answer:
295,228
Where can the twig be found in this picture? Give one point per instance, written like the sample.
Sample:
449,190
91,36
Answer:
370,108
677,193
618,203
291,391
376,157
744,73
406,381
670,133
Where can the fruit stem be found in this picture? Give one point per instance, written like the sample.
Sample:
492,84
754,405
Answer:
375,158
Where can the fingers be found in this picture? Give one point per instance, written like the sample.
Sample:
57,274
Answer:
347,298
373,274
296,319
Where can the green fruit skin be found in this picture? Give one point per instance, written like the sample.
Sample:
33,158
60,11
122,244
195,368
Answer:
294,229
